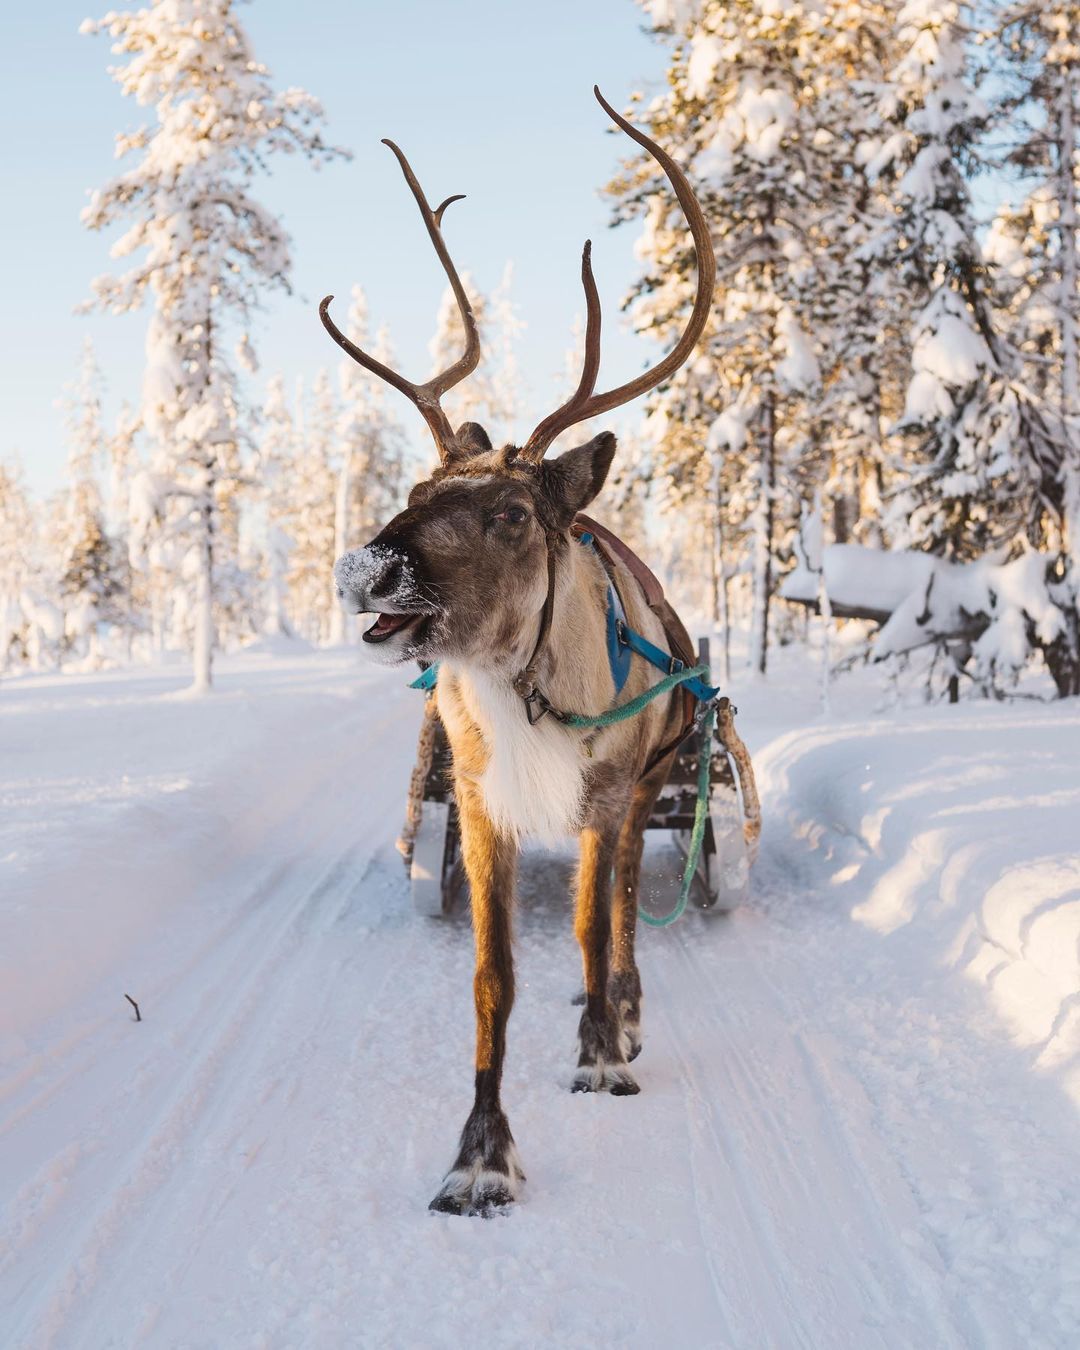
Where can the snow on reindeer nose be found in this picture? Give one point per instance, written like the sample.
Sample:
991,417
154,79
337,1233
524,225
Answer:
369,578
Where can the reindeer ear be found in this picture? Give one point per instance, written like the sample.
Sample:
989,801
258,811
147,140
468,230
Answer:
573,479
472,439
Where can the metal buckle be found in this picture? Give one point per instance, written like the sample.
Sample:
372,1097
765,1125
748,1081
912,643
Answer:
675,665
536,705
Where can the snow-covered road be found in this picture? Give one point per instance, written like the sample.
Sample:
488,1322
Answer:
850,1133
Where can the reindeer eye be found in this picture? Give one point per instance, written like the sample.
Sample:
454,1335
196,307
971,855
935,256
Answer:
513,515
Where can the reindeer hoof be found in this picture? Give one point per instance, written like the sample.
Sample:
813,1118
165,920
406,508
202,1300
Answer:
614,1078
494,1198
448,1202
478,1191
483,1198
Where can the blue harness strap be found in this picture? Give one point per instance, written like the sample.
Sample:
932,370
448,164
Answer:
622,643
619,654
427,679
670,665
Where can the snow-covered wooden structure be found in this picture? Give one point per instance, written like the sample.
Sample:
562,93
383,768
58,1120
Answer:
991,615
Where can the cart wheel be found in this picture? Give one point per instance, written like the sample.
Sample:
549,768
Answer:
730,865
703,886
431,860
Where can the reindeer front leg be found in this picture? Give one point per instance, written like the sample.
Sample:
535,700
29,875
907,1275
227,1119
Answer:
601,1059
486,1174
625,987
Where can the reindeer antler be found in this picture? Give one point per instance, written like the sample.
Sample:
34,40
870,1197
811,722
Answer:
426,396
583,403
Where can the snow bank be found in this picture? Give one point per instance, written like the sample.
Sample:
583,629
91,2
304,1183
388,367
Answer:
953,835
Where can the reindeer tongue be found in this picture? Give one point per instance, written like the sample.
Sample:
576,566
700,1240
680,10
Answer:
386,624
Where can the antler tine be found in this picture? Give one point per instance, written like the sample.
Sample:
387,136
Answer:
426,396
457,197
439,384
590,366
419,394
578,410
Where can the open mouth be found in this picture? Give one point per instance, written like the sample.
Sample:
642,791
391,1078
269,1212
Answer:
386,625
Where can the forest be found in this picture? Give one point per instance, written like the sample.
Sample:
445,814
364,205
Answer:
881,425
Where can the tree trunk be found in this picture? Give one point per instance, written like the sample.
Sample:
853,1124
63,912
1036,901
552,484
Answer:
1070,319
203,655
1065,664
759,630
203,637
339,620
274,623
721,615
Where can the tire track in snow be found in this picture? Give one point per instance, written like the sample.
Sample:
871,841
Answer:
148,1165
240,958
825,1257
79,1051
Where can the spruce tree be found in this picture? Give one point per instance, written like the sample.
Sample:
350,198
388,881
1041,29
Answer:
745,112
210,251
92,571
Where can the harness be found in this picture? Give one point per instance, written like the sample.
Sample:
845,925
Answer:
623,643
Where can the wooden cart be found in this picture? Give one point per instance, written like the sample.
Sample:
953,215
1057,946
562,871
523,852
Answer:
431,840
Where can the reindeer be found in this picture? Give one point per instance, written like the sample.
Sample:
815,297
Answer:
484,573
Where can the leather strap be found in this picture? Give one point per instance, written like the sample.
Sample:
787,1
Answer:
646,579
610,547
677,636
525,680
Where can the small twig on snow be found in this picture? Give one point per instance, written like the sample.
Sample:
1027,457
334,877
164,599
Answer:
138,1014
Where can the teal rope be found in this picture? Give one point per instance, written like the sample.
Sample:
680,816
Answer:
697,834
701,807
636,705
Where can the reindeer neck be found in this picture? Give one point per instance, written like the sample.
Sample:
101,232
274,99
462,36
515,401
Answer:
568,658
562,650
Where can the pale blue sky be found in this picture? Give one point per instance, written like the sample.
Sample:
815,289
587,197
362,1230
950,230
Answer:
487,98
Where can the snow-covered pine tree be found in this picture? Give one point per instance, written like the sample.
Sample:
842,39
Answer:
860,307
744,111
210,250
1035,54
354,451
506,329
309,517
369,448
490,394
92,571
974,437
1037,51
123,465
624,503
17,542
381,492
275,462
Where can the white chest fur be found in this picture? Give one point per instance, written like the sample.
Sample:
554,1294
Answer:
534,782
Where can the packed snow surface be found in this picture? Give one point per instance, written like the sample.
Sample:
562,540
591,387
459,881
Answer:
860,1093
